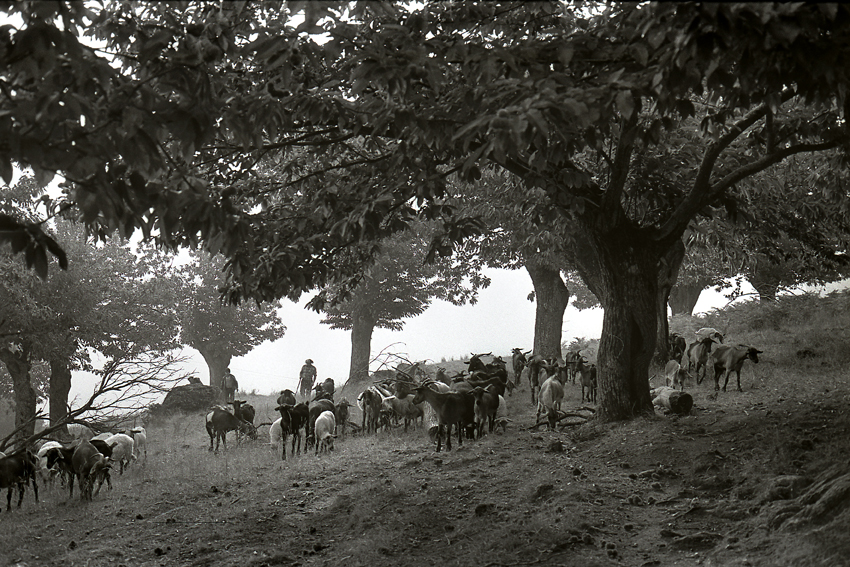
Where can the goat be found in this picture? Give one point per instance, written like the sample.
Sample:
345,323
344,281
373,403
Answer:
709,333
341,415
698,357
370,401
676,346
140,441
41,457
535,363
286,397
730,359
219,421
549,400
292,419
18,469
404,409
316,408
519,360
675,374
123,450
59,458
90,465
324,431
588,379
245,412
572,365
485,409
80,431
451,409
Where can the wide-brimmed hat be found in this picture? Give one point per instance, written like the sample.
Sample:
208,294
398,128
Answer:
309,361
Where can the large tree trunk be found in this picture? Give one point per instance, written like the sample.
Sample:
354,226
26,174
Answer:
552,297
18,364
217,362
60,386
766,278
668,273
621,268
684,297
361,346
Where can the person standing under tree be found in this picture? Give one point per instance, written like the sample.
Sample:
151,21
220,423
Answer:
230,386
307,378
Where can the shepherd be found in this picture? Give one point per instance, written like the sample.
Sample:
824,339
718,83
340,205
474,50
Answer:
230,386
307,379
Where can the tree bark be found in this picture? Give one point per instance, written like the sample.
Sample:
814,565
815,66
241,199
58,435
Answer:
684,297
60,386
621,267
217,363
18,364
361,346
552,297
668,273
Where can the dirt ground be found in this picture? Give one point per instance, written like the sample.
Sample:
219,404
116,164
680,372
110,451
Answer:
713,488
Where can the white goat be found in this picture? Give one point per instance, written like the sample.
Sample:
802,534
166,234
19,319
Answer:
122,450
549,400
43,471
140,442
325,425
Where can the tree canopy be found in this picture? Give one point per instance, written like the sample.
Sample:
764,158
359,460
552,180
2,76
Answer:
168,126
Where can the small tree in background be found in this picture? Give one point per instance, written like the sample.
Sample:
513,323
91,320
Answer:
398,286
215,329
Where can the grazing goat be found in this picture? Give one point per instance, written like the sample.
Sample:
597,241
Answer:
698,357
730,359
292,420
324,431
18,469
90,466
588,380
404,409
549,401
286,397
43,470
245,412
123,450
675,374
370,401
486,408
219,421
452,409
341,415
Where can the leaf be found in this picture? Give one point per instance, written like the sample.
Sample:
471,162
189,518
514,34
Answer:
625,104
7,172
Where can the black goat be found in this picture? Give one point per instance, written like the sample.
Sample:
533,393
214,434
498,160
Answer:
18,469
452,409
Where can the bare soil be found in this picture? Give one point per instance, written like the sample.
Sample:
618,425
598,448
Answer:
726,485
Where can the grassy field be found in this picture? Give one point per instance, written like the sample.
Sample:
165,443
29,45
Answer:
753,478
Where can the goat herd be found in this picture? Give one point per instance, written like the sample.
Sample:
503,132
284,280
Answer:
472,403
89,460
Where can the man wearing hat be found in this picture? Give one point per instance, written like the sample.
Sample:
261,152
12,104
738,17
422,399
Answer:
307,378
